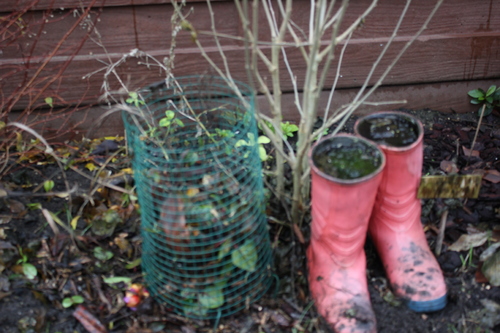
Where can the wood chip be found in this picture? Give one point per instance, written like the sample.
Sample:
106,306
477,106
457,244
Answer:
492,176
88,320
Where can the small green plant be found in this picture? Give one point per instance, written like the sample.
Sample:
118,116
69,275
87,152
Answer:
261,141
490,98
170,119
289,129
102,254
48,185
134,99
29,270
168,123
49,101
70,301
467,261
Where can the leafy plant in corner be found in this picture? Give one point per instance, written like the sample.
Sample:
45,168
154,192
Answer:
490,98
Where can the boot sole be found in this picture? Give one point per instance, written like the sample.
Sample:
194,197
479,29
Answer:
428,306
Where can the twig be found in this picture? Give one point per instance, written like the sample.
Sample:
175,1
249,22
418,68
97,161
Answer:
440,236
475,135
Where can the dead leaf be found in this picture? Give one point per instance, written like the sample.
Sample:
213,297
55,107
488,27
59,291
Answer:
489,251
4,219
492,176
465,242
491,269
16,207
470,152
448,166
123,244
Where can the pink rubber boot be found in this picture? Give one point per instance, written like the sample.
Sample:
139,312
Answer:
395,225
336,257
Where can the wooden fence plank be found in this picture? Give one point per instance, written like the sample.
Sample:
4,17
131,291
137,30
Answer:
446,97
9,5
455,58
149,27
461,43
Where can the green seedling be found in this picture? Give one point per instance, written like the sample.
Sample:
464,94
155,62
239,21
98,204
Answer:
170,119
48,185
467,261
490,98
261,141
34,206
49,101
29,270
224,133
289,129
70,301
167,123
102,254
134,99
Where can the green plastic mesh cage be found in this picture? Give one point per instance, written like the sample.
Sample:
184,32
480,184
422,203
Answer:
206,248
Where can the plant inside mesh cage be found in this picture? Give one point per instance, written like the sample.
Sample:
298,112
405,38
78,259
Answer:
197,164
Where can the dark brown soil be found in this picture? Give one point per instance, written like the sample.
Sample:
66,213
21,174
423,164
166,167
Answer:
67,266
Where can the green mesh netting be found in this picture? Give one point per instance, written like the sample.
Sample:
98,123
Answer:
206,249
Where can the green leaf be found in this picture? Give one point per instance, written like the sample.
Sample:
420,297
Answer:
49,101
224,249
245,257
102,254
476,93
263,139
29,270
77,299
169,114
164,122
34,205
48,185
211,299
475,101
288,129
133,264
262,153
240,143
489,99
268,124
117,279
179,122
251,139
67,302
195,310
496,95
491,90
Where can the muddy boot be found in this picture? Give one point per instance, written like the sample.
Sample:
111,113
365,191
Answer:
395,225
336,259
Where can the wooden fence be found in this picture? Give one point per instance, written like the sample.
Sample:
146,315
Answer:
459,51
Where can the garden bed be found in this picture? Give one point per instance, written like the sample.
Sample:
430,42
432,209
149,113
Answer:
82,265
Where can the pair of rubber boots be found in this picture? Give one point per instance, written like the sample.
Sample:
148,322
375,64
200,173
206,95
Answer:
385,204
